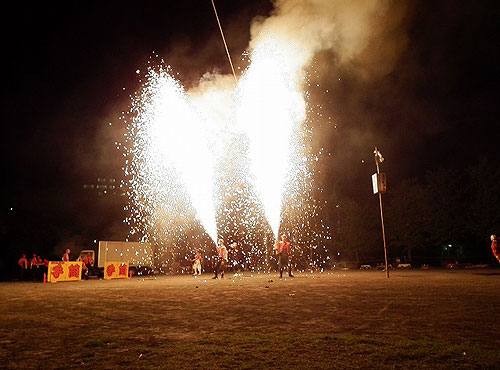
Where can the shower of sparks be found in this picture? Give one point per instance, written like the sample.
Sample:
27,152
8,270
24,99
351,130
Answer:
172,165
230,162
271,107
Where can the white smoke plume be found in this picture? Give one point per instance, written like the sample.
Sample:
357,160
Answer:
365,35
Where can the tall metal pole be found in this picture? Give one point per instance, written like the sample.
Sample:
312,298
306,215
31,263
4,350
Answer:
381,214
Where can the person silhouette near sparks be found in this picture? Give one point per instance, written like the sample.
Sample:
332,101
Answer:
221,259
197,262
284,253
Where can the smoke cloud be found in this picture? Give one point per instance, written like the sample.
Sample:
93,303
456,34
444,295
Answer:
366,36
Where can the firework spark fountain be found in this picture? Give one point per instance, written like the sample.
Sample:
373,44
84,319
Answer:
238,150
170,150
240,158
271,107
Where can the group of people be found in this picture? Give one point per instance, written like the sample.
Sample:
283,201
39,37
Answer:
35,267
32,268
282,251
220,262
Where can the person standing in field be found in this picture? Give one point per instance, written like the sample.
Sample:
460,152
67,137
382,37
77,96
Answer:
66,254
23,267
34,260
85,270
89,261
221,260
197,262
284,253
35,268
494,247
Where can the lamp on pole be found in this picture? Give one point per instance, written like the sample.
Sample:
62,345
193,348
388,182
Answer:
380,186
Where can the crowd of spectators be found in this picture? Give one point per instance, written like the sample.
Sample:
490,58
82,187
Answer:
33,269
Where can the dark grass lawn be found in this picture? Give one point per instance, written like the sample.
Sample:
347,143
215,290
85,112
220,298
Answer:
342,319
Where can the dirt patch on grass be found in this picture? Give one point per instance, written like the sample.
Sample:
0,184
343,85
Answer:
349,319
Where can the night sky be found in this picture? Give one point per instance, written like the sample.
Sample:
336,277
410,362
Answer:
70,69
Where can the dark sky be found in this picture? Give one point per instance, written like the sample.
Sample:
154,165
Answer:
67,65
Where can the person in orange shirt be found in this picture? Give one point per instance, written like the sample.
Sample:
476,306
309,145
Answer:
85,270
221,260
34,260
23,267
89,261
66,254
494,247
284,252
197,262
35,268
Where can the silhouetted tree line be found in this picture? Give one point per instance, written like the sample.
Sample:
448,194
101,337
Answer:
446,217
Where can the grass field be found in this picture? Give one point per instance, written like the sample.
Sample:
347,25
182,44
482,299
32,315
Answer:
342,319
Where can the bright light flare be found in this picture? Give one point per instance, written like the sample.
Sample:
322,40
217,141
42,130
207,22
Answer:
171,140
239,154
270,109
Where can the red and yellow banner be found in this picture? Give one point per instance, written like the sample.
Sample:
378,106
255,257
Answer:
64,271
116,270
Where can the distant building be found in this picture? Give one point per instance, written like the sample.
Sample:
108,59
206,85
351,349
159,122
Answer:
106,187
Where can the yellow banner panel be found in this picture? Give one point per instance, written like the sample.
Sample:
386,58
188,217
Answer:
116,270
64,271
